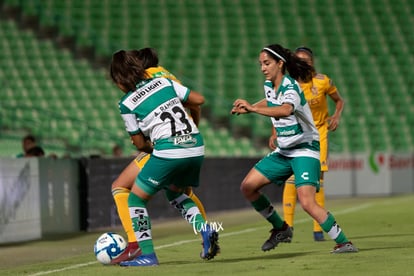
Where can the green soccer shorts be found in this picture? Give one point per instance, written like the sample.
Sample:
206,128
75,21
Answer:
158,173
278,168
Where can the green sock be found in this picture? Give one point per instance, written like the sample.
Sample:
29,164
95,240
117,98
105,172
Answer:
333,229
141,223
265,208
188,209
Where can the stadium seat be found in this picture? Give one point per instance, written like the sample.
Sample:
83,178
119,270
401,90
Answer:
213,47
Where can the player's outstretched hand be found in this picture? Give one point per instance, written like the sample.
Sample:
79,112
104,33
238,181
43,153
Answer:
240,106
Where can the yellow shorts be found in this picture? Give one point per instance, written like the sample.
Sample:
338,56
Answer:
142,159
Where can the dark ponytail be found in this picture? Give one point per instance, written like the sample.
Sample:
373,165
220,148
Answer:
297,68
127,69
148,56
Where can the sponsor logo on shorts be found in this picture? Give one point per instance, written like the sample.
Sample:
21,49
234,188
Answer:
153,181
305,176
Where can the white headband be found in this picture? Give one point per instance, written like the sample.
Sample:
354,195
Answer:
276,54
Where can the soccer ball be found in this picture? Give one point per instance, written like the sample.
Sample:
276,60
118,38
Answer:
109,246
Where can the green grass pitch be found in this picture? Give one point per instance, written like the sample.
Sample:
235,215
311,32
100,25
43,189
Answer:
382,229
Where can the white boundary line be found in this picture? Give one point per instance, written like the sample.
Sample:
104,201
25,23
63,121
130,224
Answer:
248,230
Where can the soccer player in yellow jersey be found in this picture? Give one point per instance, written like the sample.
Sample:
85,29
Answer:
316,92
121,187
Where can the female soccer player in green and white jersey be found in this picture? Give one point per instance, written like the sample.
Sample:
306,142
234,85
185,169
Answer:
121,187
157,122
297,149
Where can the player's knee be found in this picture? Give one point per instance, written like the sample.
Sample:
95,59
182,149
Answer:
247,188
116,184
308,204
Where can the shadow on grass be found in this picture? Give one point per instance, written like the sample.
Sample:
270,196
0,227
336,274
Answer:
387,239
393,235
265,256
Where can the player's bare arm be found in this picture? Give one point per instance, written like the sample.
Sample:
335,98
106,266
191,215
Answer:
336,117
141,143
193,103
195,98
272,139
242,106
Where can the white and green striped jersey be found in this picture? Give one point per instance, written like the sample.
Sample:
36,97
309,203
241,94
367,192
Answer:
155,109
296,134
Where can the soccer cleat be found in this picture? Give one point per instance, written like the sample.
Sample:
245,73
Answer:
318,236
277,236
291,236
131,252
347,247
210,243
142,260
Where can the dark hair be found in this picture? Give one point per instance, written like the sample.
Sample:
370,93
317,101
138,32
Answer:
304,49
148,56
29,137
297,68
35,151
127,69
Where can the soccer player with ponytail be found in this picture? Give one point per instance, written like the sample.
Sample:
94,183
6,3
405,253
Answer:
137,74
297,150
